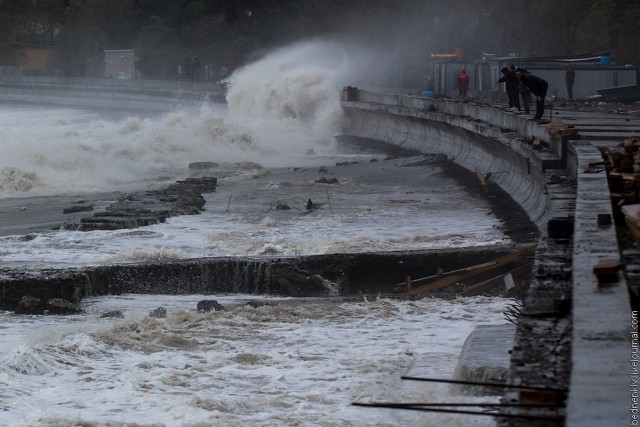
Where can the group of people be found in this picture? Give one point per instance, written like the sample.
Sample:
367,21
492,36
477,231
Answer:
520,84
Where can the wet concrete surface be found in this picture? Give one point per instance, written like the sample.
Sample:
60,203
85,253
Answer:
21,216
322,275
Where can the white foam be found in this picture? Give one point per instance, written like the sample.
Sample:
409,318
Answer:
273,365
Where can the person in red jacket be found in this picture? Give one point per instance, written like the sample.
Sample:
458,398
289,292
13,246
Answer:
463,83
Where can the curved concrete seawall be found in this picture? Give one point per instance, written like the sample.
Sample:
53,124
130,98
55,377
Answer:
498,145
573,330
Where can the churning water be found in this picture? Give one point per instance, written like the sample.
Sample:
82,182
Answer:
279,365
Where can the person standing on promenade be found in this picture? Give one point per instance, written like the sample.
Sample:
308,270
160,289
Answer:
569,80
463,83
538,87
525,95
511,84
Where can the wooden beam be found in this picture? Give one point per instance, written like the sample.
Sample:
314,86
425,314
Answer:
451,278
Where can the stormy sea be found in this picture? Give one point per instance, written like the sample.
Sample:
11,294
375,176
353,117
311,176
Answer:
264,360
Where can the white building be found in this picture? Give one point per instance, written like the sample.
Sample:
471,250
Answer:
120,64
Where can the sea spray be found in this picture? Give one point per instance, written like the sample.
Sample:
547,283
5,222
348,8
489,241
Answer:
281,108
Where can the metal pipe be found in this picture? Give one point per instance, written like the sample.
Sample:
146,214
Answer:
442,380
454,411
479,404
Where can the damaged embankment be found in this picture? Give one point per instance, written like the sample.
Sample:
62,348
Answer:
356,274
319,275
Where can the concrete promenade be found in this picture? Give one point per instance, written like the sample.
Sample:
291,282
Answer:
573,332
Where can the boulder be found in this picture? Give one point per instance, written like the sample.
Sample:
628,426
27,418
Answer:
207,305
62,306
256,304
116,314
158,313
30,305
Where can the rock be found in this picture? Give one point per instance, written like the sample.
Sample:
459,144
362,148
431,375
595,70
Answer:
282,207
159,313
74,209
150,207
256,304
62,306
30,305
207,305
116,314
324,180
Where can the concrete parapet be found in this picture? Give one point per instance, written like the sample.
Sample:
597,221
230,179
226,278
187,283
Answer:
511,163
600,382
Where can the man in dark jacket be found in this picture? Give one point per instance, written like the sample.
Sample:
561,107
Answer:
511,86
570,79
538,87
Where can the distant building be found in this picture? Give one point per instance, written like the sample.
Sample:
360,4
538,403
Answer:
120,64
30,59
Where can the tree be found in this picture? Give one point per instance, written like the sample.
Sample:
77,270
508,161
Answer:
231,32
158,51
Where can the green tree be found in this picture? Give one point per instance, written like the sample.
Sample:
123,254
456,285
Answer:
232,32
158,51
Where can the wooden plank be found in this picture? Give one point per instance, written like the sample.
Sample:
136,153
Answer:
478,288
450,278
